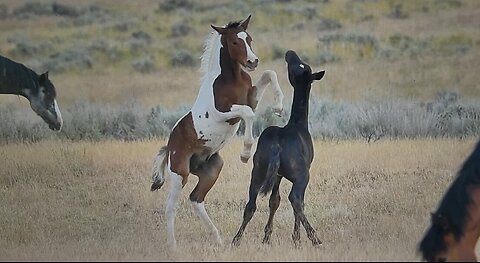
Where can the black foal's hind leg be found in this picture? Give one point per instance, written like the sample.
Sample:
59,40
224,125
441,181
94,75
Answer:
251,207
296,229
296,198
273,203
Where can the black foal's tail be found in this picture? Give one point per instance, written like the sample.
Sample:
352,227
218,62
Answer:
272,170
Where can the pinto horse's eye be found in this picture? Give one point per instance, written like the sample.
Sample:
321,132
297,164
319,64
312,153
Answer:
235,43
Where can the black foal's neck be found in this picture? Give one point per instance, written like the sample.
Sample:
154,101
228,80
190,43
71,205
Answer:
300,105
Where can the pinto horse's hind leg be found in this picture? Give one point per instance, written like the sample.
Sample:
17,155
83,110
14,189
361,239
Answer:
273,204
207,173
171,207
178,171
296,198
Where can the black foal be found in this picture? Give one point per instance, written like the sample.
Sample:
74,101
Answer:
285,152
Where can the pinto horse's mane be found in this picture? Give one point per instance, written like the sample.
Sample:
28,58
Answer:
212,44
453,207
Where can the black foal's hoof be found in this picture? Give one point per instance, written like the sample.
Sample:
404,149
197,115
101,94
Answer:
316,242
236,242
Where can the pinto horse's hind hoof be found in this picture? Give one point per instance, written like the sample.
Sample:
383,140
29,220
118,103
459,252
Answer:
156,186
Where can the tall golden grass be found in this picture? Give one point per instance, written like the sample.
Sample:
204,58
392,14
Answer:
91,201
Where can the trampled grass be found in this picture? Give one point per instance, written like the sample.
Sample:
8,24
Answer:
91,201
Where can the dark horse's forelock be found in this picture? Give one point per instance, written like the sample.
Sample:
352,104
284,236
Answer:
454,206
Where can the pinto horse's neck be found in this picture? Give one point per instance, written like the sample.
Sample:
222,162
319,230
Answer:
299,112
229,67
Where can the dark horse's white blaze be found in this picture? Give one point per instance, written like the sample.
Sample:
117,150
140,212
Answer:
226,95
17,79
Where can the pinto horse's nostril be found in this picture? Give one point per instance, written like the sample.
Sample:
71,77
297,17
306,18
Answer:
253,64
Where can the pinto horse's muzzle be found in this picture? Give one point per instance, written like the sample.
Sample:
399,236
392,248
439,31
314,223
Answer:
251,65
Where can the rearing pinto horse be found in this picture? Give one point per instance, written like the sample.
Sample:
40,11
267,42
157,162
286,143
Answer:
455,226
17,79
226,95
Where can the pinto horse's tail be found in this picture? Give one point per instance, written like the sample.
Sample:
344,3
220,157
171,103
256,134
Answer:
159,169
272,170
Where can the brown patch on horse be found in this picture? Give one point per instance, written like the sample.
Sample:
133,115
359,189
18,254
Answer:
183,142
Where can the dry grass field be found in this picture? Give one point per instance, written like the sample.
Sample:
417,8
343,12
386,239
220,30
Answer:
91,201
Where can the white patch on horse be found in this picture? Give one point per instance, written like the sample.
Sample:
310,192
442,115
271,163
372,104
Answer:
302,66
199,209
171,208
59,114
250,55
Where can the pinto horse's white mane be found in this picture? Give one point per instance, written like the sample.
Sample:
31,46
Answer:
211,46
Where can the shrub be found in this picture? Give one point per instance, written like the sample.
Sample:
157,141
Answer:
144,65
182,58
448,115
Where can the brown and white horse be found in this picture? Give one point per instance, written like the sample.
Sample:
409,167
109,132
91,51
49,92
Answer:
226,95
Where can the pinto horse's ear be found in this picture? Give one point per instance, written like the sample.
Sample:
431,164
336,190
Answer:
220,30
44,77
318,76
244,24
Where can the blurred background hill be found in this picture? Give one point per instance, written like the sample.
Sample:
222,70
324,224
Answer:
112,53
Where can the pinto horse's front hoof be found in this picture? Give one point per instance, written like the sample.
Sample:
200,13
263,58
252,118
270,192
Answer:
244,159
278,112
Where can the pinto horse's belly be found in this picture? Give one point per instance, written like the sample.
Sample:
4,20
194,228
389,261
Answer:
215,134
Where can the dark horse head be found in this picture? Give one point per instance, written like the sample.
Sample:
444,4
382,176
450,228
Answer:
17,79
299,73
43,102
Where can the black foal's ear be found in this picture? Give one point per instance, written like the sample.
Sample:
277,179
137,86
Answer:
44,77
318,75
